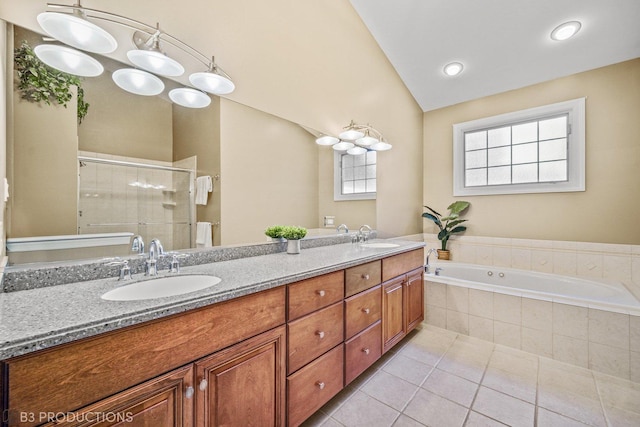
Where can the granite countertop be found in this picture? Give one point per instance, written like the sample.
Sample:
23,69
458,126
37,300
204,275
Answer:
40,318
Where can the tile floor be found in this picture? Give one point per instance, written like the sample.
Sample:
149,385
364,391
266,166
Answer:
439,378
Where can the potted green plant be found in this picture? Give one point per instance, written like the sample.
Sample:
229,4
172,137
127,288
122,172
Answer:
293,235
275,232
448,225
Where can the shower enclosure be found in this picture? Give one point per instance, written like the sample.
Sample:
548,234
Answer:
152,200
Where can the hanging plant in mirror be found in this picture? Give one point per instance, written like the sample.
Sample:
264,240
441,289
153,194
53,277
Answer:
40,83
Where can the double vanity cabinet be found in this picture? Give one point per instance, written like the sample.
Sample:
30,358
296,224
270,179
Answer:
269,358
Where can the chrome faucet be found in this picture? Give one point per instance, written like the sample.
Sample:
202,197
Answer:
155,251
343,227
363,233
426,262
137,244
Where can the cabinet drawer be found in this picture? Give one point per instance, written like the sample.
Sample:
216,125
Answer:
362,351
314,385
362,277
396,265
312,294
362,310
312,335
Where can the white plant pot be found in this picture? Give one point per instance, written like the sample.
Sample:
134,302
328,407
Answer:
293,246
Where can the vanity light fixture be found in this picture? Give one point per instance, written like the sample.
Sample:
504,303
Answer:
74,30
68,60
356,139
453,69
149,57
190,98
73,27
565,31
138,82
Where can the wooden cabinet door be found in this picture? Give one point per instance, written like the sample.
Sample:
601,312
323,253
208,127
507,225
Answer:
415,298
393,308
166,401
243,385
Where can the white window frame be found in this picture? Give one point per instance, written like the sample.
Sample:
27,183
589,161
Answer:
575,109
337,182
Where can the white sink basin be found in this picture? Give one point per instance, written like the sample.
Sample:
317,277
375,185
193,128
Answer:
379,245
162,287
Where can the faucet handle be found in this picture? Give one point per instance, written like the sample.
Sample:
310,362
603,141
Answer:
125,271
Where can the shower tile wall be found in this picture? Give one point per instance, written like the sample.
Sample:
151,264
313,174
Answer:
115,198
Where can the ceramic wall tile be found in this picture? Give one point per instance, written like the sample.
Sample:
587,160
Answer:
458,322
507,334
565,263
617,267
436,294
610,329
501,256
484,255
507,308
634,333
571,350
458,298
436,316
542,261
590,265
571,321
481,327
521,258
481,303
634,366
537,314
537,341
609,360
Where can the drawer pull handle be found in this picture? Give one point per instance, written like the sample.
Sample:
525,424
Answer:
320,385
188,393
365,276
320,293
320,334
203,385
366,311
366,350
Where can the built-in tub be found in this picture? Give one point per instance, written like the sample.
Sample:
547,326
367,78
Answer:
585,322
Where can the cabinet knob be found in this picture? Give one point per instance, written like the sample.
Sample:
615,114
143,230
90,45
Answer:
320,385
320,292
188,393
203,385
320,334
366,311
365,276
366,350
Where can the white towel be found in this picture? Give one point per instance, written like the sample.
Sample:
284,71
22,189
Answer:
204,186
203,235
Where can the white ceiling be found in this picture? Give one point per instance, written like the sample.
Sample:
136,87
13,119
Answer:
503,44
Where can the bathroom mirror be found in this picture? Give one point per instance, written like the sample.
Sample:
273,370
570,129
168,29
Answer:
270,169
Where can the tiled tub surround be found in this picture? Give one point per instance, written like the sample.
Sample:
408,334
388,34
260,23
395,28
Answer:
583,259
576,333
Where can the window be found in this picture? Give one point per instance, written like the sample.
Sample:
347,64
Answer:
355,176
529,151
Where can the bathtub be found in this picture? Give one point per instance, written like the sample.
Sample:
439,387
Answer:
599,294
588,323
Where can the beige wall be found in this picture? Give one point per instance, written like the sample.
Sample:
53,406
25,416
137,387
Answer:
269,174
44,174
197,133
606,212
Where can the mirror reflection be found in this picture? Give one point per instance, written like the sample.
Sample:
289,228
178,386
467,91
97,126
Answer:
131,167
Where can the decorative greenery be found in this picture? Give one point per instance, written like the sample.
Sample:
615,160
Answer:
274,231
293,232
40,83
450,224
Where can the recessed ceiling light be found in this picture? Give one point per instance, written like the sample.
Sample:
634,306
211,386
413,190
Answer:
566,30
453,69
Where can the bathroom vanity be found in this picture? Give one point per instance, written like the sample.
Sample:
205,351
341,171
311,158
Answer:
271,351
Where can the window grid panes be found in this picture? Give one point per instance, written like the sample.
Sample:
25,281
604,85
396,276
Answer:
358,173
535,151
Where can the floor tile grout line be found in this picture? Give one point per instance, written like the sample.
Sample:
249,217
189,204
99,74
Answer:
493,350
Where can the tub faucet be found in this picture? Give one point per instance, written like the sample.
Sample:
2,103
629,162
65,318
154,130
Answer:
155,251
343,227
426,262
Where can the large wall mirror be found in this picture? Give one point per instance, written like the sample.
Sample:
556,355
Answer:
130,167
